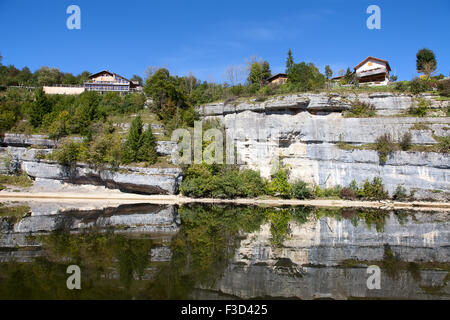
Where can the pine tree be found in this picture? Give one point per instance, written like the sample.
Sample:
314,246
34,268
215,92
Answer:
39,108
255,75
147,152
289,62
266,73
134,141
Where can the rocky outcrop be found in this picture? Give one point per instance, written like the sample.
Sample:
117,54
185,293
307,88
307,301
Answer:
307,130
126,179
385,103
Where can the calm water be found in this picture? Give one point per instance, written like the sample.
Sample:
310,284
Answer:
231,252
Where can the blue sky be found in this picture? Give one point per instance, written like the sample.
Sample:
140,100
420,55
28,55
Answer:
207,36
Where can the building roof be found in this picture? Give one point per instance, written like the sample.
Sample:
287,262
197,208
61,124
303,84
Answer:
376,59
278,75
108,72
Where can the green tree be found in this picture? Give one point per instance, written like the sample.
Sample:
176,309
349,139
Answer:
46,76
256,73
289,62
328,72
39,108
87,111
147,152
266,72
306,76
348,76
140,145
134,141
426,62
69,78
161,87
82,77
25,76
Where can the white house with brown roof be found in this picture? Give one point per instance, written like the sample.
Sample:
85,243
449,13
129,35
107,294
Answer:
373,71
106,81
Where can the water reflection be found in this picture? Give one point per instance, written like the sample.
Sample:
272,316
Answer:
214,251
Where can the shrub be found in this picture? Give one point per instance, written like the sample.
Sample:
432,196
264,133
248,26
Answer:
400,193
421,109
347,193
252,183
327,192
444,87
300,190
221,181
405,141
418,86
443,145
68,153
402,86
361,110
279,185
384,145
265,91
372,190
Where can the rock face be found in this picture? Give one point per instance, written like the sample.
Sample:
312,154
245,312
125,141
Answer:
385,103
306,131
126,179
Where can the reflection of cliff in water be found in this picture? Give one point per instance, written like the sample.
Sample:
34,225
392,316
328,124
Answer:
213,251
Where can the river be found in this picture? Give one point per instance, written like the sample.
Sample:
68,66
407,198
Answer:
212,251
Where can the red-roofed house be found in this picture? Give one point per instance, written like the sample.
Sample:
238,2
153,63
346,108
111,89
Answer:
373,71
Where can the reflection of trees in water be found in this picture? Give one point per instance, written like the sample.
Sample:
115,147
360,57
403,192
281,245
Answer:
113,265
100,256
203,248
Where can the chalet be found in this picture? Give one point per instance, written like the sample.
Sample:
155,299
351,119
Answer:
105,81
279,78
373,71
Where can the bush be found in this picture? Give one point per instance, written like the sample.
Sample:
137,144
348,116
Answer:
327,192
384,145
402,86
68,153
421,109
443,145
221,181
444,87
418,86
279,186
300,190
372,190
400,193
405,141
347,193
361,109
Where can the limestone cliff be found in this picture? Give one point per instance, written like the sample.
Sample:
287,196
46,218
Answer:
305,131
